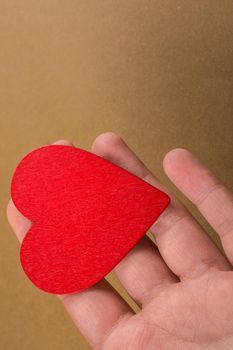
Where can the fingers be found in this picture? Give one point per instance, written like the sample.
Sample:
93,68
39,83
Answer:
212,198
184,246
142,272
95,311
143,269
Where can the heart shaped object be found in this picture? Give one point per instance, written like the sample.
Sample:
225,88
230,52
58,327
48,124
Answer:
87,214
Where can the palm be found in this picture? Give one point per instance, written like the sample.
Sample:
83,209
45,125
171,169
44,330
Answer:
190,315
183,284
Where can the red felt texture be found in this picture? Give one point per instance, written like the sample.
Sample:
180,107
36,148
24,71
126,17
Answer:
87,214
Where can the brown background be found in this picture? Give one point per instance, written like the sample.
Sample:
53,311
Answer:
160,73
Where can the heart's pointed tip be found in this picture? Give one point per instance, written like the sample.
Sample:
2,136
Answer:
166,198
159,198
158,203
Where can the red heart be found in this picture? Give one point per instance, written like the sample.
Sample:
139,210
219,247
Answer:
87,214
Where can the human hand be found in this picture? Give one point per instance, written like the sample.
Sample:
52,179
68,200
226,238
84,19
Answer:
183,284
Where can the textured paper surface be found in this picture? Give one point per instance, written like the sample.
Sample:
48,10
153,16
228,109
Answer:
158,72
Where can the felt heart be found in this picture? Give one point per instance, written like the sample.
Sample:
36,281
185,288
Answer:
87,214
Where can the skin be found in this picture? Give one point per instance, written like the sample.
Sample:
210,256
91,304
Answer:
183,284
